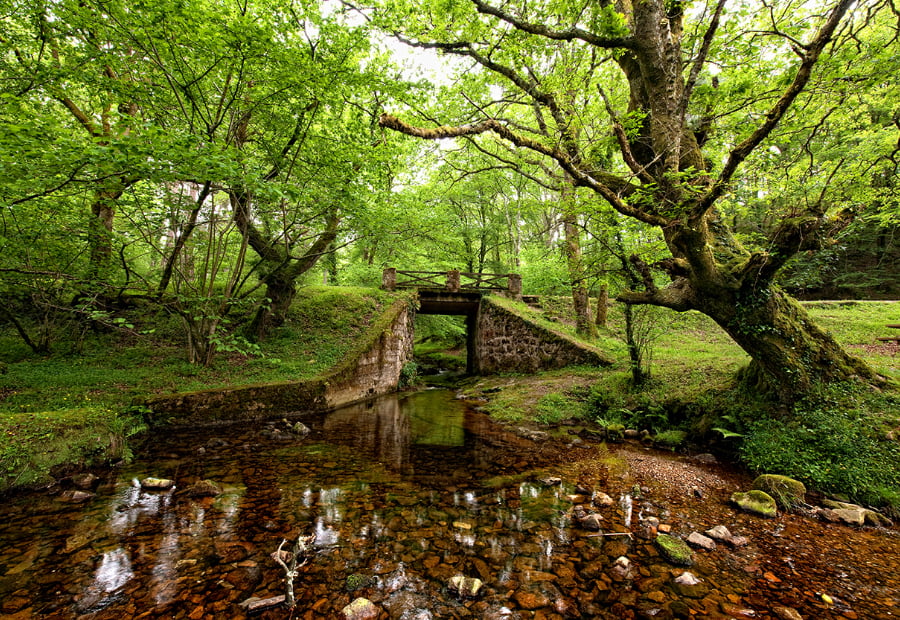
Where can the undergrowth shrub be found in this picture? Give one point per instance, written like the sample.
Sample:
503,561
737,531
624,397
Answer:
833,442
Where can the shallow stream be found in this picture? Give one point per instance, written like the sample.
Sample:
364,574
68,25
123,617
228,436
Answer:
405,492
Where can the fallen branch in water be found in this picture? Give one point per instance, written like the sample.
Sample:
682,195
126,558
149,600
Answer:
288,561
628,534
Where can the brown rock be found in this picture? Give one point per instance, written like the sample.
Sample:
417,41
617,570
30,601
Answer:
528,599
204,488
75,497
696,539
657,597
85,481
787,613
157,484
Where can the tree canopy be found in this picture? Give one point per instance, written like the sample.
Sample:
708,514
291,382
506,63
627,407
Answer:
208,157
678,86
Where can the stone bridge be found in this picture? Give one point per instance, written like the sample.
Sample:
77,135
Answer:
499,337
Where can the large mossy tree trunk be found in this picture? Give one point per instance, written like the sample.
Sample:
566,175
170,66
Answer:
713,274
789,352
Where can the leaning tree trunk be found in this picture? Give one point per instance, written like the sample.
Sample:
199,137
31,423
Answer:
789,352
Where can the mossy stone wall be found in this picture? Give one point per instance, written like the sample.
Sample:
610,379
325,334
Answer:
372,369
506,342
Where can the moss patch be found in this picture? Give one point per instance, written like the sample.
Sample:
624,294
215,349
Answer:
756,502
674,550
787,492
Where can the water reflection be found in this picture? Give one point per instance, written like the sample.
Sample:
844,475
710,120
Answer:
114,571
403,494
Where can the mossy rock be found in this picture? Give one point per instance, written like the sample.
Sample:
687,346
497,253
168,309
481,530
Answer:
615,433
756,502
356,581
786,491
674,550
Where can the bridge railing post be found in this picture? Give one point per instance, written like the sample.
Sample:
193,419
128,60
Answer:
389,279
514,288
453,281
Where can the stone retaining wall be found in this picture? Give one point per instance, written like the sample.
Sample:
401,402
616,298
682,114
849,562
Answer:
371,370
507,342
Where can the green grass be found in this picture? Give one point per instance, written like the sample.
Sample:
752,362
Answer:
72,407
34,445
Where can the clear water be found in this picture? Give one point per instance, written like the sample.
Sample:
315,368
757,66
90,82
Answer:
403,493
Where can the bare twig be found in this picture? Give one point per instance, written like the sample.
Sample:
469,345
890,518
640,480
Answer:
301,548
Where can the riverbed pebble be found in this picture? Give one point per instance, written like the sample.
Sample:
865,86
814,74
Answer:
360,609
696,539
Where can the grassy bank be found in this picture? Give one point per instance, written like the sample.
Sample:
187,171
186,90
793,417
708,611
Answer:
79,405
841,440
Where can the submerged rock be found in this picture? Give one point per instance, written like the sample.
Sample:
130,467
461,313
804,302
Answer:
787,492
602,500
719,532
255,604
299,428
465,587
75,496
591,522
157,484
85,481
674,550
687,579
756,502
204,488
787,613
697,539
357,580
360,609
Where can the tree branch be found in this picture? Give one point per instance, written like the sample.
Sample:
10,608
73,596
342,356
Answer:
606,186
775,114
572,34
700,59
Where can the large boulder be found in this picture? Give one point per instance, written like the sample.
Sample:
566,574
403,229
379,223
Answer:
756,502
787,492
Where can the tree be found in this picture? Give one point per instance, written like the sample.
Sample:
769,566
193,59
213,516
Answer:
155,111
657,59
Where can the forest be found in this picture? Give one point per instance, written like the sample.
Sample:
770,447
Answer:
204,161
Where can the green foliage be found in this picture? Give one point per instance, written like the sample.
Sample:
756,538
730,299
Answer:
409,375
672,439
448,331
832,441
